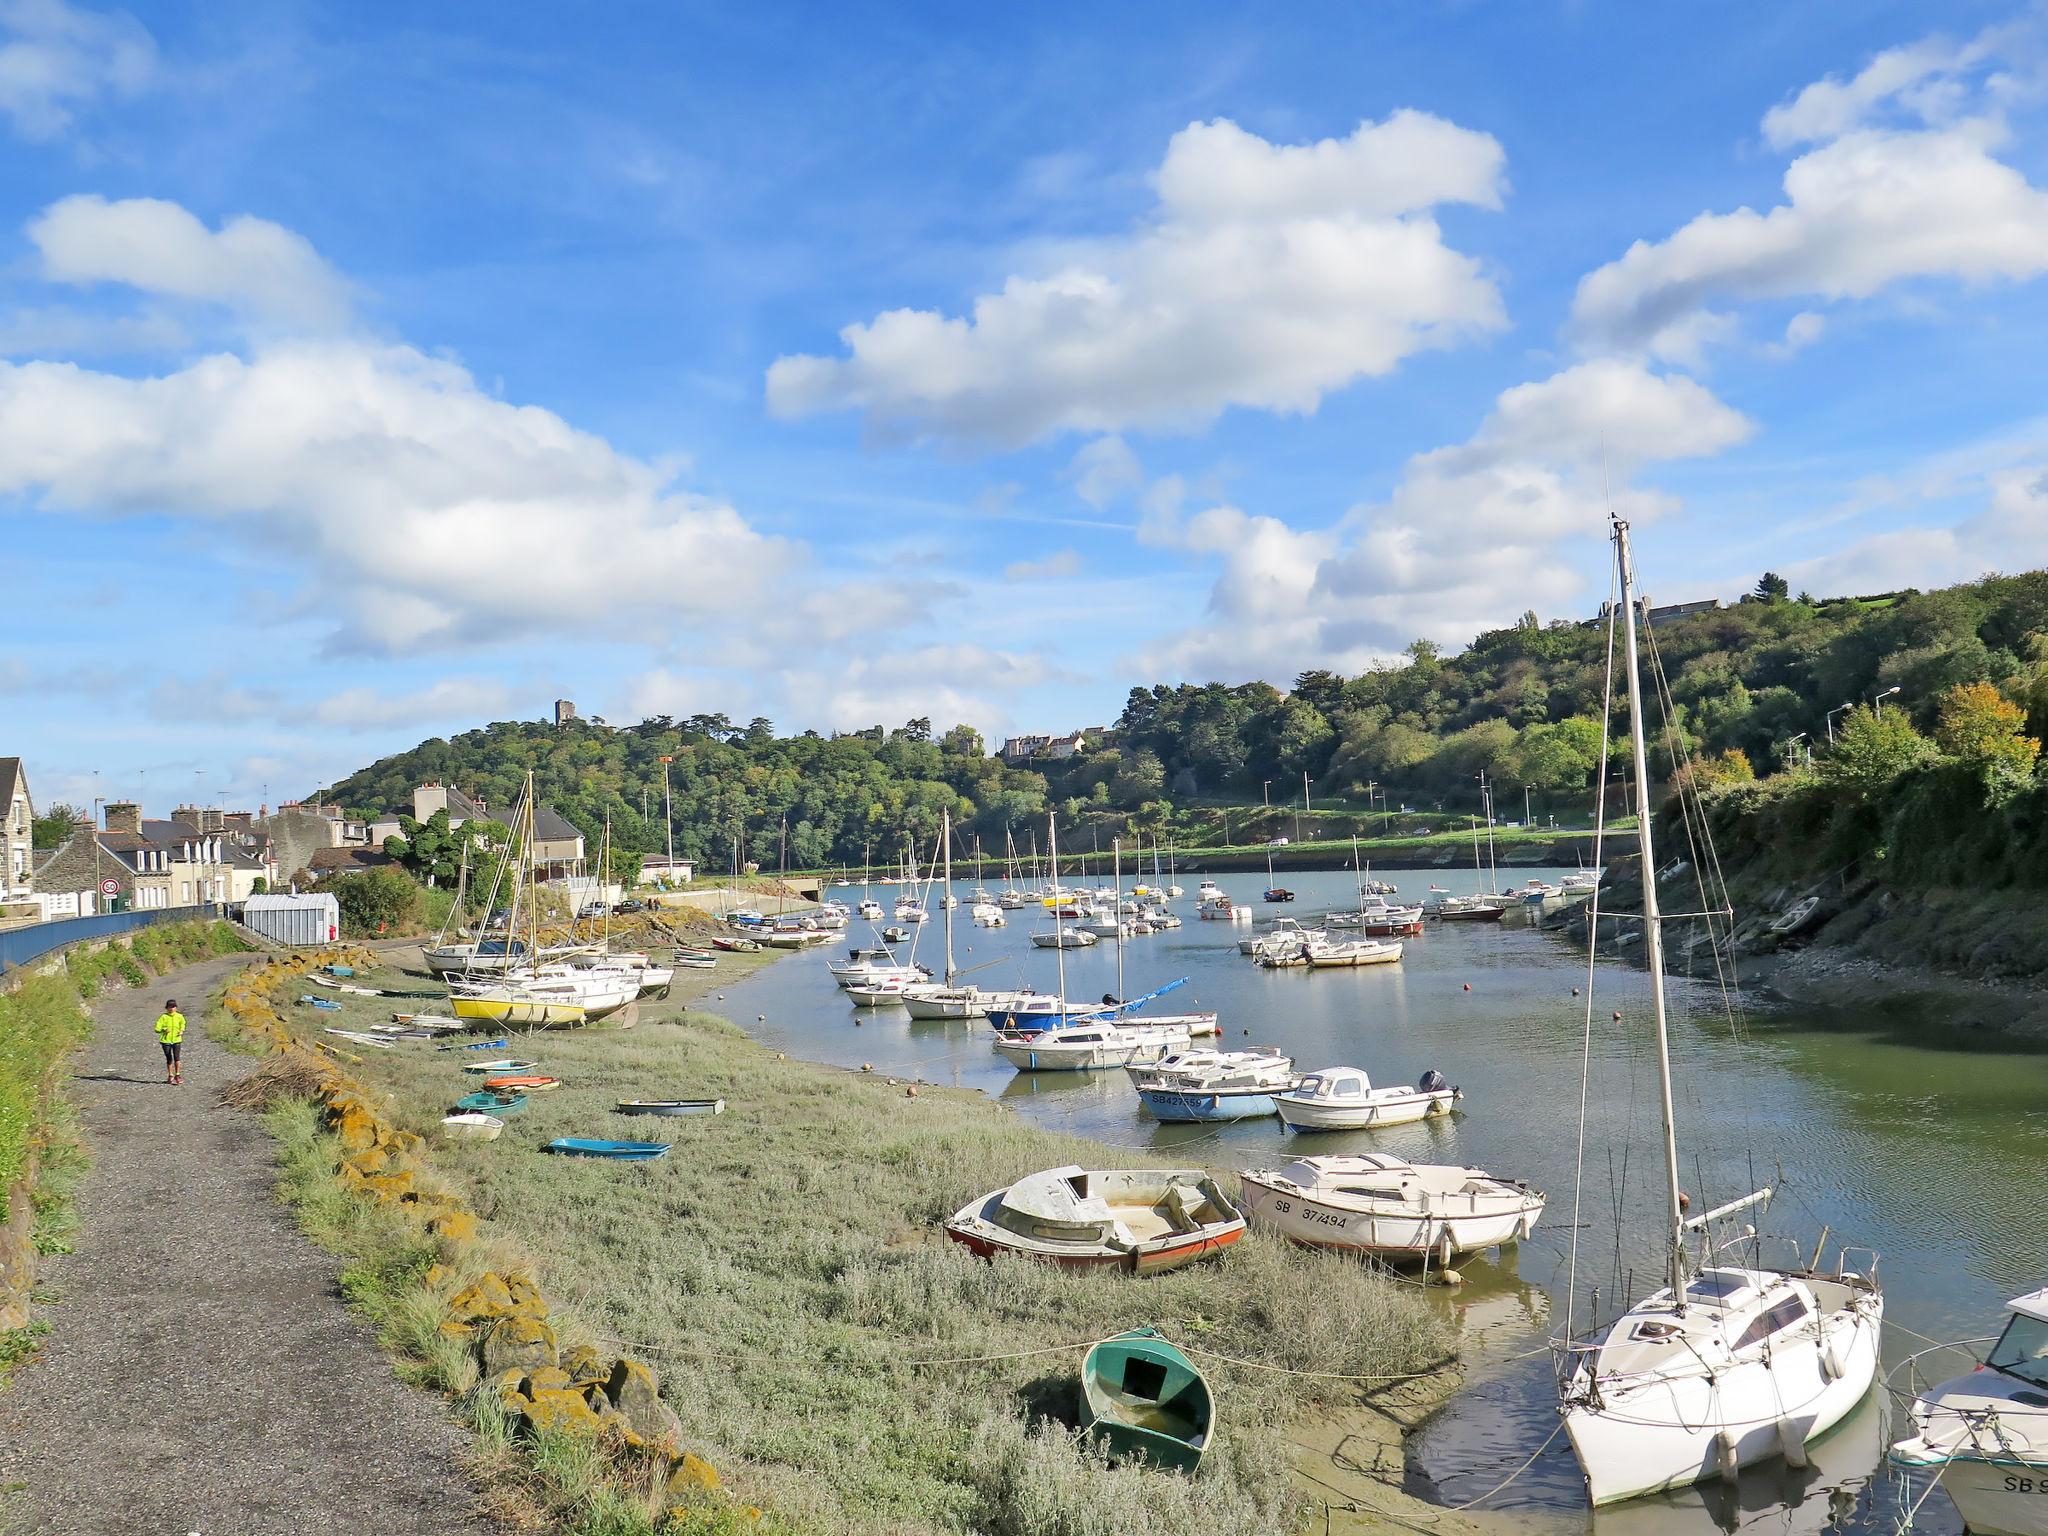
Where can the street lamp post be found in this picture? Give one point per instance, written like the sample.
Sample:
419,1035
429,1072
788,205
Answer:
1796,740
1528,820
1877,699
1831,720
668,815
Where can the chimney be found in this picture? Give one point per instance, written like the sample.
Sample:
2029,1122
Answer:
124,816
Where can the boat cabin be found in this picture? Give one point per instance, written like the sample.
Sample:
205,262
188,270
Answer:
2022,1350
1727,1312
1335,1085
1084,1206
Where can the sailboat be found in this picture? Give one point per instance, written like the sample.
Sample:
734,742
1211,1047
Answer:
1729,1364
944,999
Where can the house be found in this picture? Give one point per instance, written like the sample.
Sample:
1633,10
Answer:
1020,749
111,869
557,845
17,832
1066,746
660,869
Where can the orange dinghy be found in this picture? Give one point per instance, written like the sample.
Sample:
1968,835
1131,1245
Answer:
522,1084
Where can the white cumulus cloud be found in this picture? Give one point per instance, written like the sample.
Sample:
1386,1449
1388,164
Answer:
1267,277
1473,533
56,58
1903,182
248,265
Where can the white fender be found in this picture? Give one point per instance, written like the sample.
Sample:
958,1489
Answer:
1445,1250
1792,1440
1726,1461
1834,1354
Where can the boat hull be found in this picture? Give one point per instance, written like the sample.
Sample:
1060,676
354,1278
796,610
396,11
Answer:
1998,1498
1143,1400
1389,1234
672,1107
1184,1105
1402,1109
516,1010
1666,1433
1145,1261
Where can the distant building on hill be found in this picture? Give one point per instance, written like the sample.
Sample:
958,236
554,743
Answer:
1020,749
565,711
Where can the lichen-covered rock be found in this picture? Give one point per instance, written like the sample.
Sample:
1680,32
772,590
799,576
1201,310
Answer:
454,1226
634,1393
692,1475
519,1341
586,1367
485,1299
386,1188
548,1378
562,1412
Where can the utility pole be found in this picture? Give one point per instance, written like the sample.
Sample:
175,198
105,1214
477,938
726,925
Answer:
1527,819
1307,809
668,815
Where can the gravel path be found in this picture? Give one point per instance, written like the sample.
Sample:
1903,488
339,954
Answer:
201,1374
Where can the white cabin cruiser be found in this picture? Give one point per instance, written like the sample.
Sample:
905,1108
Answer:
1344,1099
1089,1047
1985,1435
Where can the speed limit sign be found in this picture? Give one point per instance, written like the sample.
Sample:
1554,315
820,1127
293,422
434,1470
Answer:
110,887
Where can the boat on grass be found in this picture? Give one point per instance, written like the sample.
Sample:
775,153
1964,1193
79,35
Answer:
617,1151
1344,1099
1380,1205
502,1065
1984,1436
507,1006
671,1106
489,1103
471,1125
1142,1220
1143,1400
522,1082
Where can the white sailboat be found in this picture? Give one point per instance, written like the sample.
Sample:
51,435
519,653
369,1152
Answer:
1728,1364
946,998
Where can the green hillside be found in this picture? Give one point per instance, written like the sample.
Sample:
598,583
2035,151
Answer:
1755,687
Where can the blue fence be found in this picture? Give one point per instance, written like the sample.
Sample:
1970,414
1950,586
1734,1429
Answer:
18,946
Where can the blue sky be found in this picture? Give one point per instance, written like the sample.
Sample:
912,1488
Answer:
364,380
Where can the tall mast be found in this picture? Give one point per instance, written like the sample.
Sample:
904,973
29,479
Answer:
1652,919
1117,913
1059,948
946,899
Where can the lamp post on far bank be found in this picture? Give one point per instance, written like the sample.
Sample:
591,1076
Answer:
1831,720
1877,699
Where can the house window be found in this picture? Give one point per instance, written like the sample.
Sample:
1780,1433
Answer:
185,894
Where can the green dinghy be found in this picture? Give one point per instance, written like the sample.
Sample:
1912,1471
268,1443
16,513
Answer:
1145,1401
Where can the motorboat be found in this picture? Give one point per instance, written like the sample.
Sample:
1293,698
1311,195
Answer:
1064,938
987,914
1206,1084
910,910
1377,1204
1580,881
876,994
1467,909
870,911
1013,901
1357,952
1344,1099
1379,888
1089,1047
1209,890
1143,1220
863,966
1984,1436
1285,932
1274,893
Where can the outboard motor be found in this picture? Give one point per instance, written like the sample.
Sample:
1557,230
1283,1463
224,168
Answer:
1433,1081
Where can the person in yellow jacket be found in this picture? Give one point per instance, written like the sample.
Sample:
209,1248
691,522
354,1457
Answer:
170,1034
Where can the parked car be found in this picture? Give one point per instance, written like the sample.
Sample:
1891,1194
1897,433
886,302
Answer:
593,909
630,904
1278,842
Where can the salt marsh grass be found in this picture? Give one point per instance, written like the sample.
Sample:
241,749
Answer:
820,1340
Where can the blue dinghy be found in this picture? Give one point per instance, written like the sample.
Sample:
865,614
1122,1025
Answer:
619,1151
488,1103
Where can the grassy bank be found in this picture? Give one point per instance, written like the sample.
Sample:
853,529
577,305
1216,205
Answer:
828,1350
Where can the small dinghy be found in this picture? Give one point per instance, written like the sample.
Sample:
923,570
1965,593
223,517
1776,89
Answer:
690,963
671,1106
481,1045
471,1125
735,944
358,1037
488,1103
322,981
506,1064
1142,1220
522,1082
618,1151
1380,1205
338,970
320,1002
1143,1400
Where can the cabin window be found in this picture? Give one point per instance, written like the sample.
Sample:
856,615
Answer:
1347,1090
1776,1319
2022,1350
1079,1185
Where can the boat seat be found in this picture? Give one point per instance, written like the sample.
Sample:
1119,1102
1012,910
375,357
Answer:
1182,1208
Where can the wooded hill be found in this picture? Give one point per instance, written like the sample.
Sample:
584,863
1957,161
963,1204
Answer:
1756,686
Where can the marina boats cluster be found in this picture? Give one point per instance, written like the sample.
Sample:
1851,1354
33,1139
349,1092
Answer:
1730,1359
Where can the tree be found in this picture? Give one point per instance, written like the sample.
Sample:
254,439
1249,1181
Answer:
50,829
1872,749
374,901
919,729
962,741
1772,588
1981,728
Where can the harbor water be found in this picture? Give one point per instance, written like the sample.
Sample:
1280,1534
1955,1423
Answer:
1890,1132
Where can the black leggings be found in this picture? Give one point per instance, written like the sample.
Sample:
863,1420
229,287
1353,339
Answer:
170,1052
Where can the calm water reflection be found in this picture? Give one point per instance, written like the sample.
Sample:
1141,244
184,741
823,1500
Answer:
1932,1154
